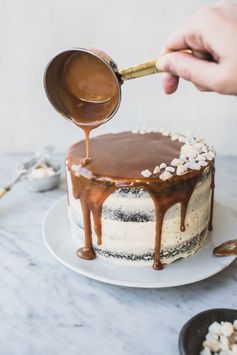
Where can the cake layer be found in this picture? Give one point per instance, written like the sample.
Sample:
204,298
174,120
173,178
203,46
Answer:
167,256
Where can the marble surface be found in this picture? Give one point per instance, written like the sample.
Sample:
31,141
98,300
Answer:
48,309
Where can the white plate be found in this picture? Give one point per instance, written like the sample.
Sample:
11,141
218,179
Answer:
57,237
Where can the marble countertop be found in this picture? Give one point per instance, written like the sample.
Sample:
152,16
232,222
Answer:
47,309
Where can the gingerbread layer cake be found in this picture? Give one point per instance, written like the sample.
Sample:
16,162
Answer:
145,198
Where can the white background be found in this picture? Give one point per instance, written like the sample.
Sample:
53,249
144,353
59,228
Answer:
131,31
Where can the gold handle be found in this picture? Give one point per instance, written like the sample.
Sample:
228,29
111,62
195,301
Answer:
3,191
144,69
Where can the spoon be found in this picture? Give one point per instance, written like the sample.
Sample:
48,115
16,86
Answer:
228,248
23,168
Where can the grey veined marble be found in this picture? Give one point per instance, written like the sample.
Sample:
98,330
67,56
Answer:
46,309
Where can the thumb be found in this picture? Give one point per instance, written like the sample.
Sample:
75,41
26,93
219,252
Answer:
200,72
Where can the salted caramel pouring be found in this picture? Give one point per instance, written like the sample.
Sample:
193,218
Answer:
92,92
87,92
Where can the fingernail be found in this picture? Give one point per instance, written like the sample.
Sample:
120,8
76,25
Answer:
165,75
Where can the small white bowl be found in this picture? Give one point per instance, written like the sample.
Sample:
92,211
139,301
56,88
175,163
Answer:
44,183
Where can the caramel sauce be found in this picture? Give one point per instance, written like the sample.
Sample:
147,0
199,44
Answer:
117,162
92,90
89,79
210,226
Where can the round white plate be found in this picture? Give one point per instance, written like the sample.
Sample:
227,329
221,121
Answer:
57,237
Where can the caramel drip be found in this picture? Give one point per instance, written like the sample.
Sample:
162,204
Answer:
210,224
164,201
184,206
98,224
160,214
86,252
183,215
92,195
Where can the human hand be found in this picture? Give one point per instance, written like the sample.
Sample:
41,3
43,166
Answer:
211,34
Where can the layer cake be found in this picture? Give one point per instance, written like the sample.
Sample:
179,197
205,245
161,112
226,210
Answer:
145,198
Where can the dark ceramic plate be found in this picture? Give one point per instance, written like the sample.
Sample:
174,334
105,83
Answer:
194,331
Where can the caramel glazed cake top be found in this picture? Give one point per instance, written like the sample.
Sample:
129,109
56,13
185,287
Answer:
167,165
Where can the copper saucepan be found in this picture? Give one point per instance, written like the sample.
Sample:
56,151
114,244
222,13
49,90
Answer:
89,80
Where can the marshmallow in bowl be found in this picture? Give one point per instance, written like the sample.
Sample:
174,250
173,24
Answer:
221,339
41,170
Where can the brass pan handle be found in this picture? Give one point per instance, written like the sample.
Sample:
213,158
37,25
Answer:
143,69
148,68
